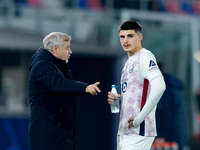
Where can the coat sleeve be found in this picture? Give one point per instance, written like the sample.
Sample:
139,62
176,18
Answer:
48,75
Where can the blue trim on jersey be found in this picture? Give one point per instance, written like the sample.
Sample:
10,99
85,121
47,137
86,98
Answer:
142,128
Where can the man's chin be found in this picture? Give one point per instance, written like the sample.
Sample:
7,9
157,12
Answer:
126,50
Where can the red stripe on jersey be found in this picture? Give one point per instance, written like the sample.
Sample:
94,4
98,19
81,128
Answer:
144,93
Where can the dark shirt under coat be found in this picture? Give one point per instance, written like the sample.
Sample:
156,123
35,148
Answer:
52,104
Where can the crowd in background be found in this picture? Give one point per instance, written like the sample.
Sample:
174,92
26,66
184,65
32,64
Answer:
168,6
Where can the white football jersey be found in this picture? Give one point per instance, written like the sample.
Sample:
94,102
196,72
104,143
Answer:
138,71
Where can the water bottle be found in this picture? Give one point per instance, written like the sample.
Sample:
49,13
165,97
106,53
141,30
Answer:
115,105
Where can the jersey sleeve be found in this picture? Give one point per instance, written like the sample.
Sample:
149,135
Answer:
148,66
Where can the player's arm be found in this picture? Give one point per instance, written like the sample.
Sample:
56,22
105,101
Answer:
157,87
150,71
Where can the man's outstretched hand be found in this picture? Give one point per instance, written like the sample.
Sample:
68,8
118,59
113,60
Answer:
93,88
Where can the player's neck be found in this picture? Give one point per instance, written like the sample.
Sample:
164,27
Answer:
131,53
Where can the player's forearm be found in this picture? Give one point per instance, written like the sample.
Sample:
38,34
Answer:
157,87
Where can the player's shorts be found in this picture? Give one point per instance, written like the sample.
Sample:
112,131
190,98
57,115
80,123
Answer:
134,142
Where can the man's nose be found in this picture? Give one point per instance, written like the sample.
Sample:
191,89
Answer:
70,51
125,40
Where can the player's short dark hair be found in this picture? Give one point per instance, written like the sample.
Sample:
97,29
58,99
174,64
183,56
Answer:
130,25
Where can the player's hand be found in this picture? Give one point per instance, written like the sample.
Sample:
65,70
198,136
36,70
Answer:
111,98
93,88
130,123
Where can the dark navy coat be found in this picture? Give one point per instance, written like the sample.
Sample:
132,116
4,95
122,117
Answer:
52,105
170,113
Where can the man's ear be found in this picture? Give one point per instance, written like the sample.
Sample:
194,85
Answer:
54,50
141,36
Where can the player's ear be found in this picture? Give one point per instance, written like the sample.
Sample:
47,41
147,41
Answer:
141,36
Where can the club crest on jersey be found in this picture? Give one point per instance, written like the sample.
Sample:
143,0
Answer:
152,66
131,69
124,86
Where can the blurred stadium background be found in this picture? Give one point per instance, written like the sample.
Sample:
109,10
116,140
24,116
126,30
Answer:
171,31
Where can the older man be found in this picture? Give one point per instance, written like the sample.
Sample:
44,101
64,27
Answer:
51,95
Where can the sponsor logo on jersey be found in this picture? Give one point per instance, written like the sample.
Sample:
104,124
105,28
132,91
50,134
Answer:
152,66
152,63
124,86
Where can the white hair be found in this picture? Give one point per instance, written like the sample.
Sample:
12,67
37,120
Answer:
55,38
